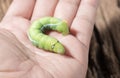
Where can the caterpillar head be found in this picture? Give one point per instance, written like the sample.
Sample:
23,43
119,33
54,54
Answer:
58,48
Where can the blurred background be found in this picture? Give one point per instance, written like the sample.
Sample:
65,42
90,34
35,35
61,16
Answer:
104,55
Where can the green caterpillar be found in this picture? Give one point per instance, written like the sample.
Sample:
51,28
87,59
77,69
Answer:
38,37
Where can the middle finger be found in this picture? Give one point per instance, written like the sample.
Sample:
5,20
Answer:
44,8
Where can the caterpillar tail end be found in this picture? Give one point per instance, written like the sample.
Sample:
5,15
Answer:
59,49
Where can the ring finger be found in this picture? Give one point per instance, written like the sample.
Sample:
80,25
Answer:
66,9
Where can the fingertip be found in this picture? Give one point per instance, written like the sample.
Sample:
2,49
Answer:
20,9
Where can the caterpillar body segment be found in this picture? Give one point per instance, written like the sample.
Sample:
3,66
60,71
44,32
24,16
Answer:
38,37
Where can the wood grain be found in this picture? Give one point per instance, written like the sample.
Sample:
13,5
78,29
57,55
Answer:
4,4
104,60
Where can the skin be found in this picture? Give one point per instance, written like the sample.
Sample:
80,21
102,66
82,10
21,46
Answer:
37,35
20,59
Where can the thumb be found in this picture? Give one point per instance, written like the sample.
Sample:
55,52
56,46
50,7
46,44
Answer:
12,52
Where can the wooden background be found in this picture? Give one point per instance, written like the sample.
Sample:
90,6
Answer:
104,56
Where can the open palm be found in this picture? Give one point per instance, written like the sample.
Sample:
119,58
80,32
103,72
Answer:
31,62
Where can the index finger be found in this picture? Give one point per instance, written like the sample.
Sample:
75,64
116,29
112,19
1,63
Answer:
20,8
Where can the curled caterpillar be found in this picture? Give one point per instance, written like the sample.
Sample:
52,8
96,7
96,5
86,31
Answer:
38,37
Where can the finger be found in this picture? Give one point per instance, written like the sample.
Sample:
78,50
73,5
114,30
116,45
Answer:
73,47
22,8
44,8
66,9
83,23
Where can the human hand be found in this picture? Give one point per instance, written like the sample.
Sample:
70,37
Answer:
27,61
